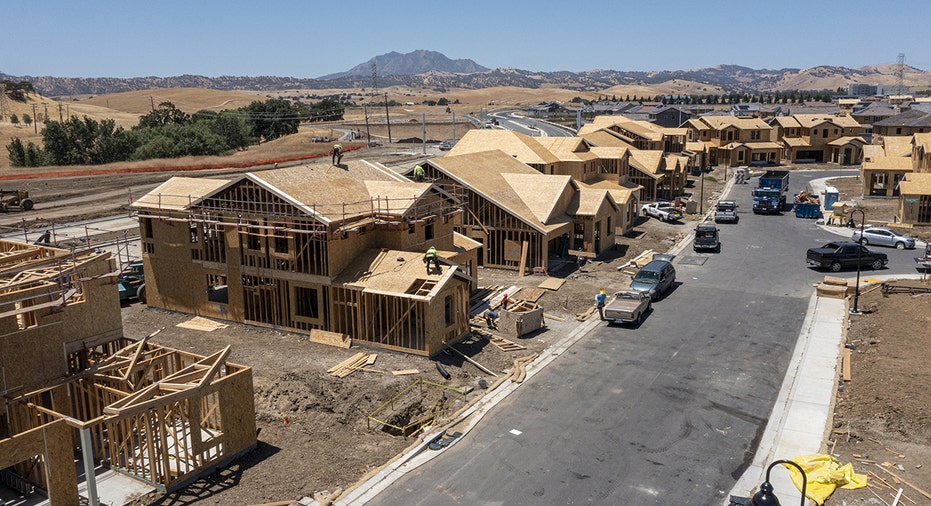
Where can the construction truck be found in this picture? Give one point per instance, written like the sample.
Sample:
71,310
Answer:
131,282
15,198
770,196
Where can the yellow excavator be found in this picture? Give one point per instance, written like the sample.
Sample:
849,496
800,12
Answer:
15,198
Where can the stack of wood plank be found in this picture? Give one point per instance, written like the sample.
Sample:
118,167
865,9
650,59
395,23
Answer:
352,364
639,261
505,345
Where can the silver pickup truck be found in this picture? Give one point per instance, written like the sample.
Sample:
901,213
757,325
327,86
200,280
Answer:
663,211
726,210
628,306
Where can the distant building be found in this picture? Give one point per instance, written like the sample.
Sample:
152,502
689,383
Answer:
864,90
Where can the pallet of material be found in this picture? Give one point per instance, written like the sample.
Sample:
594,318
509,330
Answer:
330,338
552,283
505,345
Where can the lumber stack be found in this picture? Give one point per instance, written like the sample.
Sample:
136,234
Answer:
806,198
505,345
835,288
352,364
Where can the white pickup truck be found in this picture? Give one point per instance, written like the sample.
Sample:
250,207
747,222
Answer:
663,211
628,306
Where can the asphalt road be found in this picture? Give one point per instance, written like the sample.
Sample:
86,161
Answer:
518,122
667,413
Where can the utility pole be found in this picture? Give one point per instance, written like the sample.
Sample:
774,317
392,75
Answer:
368,135
387,118
35,124
46,111
424,123
61,118
454,125
152,102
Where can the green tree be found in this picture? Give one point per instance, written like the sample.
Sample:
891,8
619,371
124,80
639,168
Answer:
273,118
234,128
443,101
14,119
17,152
27,119
166,113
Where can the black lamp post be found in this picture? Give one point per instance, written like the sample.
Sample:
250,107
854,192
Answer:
766,497
856,294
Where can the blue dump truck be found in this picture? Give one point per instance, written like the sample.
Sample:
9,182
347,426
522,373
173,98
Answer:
770,196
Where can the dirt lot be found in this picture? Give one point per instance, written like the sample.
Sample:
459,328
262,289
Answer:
883,415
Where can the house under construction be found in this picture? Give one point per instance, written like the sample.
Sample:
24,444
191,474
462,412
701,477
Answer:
69,380
316,248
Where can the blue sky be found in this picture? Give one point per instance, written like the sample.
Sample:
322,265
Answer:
135,38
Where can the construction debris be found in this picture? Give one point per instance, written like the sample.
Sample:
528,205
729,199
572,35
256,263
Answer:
352,364
806,198
581,317
505,345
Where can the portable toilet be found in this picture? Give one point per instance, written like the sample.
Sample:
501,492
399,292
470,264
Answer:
831,195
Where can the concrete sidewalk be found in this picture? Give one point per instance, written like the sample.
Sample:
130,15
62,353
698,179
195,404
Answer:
802,416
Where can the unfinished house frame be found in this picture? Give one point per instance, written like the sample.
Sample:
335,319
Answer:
59,305
311,248
524,219
160,415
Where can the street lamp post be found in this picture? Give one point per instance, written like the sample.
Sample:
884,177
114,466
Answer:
766,497
856,294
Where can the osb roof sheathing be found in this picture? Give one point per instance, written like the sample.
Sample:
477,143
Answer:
647,160
873,151
178,193
567,149
721,122
491,174
899,163
523,147
796,142
916,184
643,129
923,139
620,193
897,145
338,194
587,202
605,138
847,140
787,122
389,270
610,152
464,243
812,120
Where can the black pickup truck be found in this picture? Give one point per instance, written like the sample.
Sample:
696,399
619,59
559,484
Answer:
839,255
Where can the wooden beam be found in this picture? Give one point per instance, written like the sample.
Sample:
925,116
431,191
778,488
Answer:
523,257
846,364
476,364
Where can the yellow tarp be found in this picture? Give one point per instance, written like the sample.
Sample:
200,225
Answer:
824,474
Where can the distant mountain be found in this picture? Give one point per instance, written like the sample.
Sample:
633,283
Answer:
413,63
432,70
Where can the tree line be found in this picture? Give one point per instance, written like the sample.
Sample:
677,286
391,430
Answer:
167,132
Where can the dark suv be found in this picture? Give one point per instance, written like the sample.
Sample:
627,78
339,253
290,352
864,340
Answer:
656,277
706,237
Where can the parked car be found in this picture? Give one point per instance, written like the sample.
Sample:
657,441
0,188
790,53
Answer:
880,236
628,306
447,145
726,210
656,277
706,237
839,255
663,211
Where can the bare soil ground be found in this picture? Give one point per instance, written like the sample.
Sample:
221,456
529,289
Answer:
882,417
879,211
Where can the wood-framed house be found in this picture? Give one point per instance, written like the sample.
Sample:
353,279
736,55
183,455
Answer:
885,165
522,147
835,138
310,249
735,141
915,199
508,204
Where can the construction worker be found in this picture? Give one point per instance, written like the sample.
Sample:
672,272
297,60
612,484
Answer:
600,301
505,301
418,173
337,154
491,318
432,256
